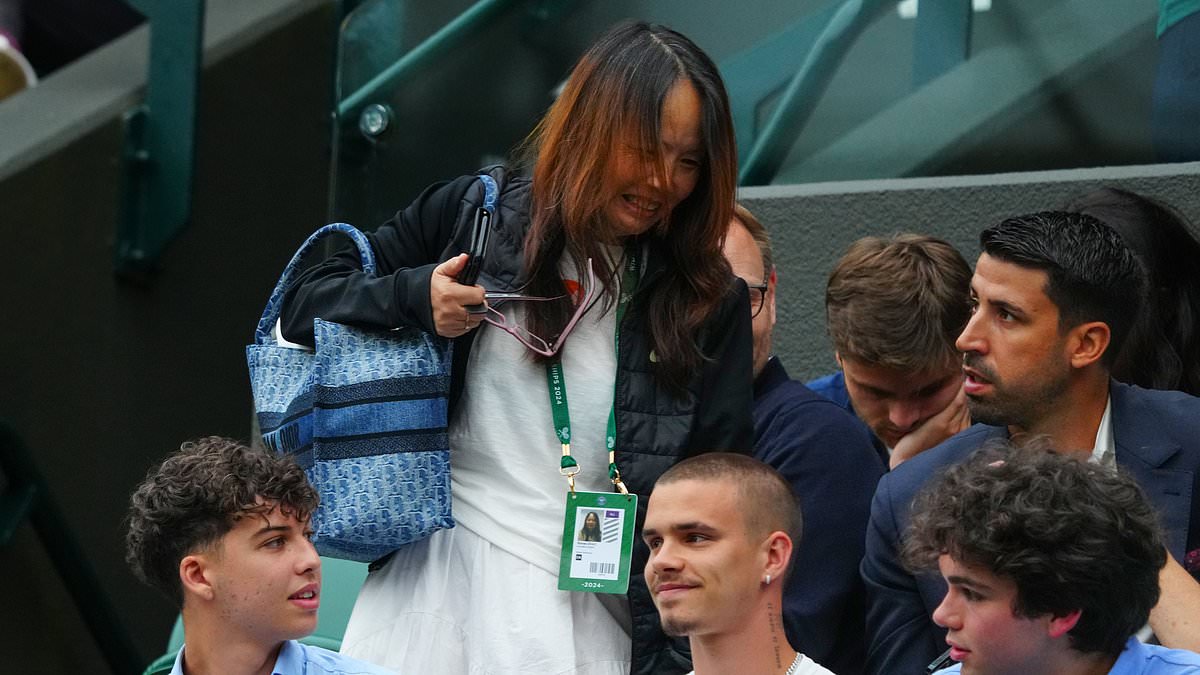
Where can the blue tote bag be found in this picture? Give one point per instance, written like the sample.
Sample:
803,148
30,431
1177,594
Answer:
364,413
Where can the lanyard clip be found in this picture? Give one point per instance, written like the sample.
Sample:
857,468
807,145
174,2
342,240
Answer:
614,474
569,467
620,485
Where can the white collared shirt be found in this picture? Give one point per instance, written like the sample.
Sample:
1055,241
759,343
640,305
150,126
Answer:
1104,449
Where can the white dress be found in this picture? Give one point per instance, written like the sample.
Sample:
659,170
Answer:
483,598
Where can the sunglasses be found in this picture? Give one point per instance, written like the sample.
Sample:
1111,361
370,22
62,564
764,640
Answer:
533,342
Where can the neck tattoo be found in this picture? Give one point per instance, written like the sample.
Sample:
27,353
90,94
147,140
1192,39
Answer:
774,634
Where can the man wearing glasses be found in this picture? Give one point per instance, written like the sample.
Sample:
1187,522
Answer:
828,458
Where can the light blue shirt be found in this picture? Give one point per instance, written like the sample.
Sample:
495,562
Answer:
301,659
1142,659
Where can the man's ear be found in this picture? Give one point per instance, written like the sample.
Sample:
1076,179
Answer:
770,299
194,573
1087,342
779,552
1061,625
838,357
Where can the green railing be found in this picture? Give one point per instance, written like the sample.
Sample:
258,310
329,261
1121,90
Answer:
1048,84
395,127
158,158
791,68
454,34
799,60
26,498
805,56
943,38
786,72
415,94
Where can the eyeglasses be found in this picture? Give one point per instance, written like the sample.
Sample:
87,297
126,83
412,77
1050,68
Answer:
528,339
758,295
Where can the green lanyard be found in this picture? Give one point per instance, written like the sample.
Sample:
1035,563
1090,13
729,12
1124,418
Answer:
556,382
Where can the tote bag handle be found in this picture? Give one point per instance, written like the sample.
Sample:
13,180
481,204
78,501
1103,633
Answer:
266,325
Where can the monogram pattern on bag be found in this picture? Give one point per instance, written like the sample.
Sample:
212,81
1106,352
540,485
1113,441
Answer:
350,356
363,527
365,415
277,375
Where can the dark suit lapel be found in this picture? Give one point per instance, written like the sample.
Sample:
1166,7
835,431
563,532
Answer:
1143,449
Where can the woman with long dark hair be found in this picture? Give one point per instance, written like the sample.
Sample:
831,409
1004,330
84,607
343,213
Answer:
591,527
633,179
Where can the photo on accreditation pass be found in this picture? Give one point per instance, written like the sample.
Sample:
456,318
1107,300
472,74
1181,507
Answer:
597,548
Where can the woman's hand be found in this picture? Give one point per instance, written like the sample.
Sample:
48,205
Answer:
450,299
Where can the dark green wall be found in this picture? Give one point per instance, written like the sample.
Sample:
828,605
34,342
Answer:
102,378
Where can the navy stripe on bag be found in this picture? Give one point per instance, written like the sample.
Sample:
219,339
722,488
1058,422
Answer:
365,415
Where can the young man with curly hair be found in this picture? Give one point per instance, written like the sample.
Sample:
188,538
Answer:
1052,565
223,530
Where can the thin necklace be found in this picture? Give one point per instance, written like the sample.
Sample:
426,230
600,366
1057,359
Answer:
795,664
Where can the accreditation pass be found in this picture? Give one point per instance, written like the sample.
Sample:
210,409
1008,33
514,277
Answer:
597,542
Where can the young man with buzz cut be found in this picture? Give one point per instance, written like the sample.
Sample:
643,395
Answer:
223,530
893,307
1051,562
1053,296
721,528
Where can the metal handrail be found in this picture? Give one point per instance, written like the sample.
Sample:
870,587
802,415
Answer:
158,158
27,497
942,39
800,98
441,42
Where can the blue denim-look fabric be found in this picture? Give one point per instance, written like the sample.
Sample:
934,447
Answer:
365,414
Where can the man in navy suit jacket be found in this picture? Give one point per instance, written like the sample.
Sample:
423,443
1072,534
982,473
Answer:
1053,296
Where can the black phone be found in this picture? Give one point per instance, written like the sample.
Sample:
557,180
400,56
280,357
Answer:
480,229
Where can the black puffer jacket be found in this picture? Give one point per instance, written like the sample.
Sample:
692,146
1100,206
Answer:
654,428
